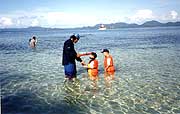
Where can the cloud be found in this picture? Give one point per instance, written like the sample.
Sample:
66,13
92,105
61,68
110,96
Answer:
169,16
69,19
5,21
21,19
48,18
58,19
35,22
142,15
174,14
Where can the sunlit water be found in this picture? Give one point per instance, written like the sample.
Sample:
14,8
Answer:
147,77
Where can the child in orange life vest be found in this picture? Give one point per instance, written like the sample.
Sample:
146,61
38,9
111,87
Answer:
108,61
108,66
92,67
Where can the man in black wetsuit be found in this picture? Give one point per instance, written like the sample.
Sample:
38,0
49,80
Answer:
69,57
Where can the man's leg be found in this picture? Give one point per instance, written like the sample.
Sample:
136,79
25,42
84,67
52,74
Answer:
70,71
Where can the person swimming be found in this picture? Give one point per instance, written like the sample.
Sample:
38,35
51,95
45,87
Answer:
33,42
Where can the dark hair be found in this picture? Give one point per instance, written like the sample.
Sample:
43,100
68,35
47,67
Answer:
34,37
73,37
94,54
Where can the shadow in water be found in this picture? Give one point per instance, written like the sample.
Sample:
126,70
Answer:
27,102
27,98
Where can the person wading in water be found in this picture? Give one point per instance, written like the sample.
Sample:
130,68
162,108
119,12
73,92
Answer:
69,57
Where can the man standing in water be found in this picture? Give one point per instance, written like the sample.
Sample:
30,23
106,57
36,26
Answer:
69,56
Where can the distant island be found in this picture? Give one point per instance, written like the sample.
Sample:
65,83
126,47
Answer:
152,23
118,25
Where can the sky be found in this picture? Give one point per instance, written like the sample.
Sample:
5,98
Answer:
79,13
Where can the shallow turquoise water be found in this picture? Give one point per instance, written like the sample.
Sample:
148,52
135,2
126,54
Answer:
147,79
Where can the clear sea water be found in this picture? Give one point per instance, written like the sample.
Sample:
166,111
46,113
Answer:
147,77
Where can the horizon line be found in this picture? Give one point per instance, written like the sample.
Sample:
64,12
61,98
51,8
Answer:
85,26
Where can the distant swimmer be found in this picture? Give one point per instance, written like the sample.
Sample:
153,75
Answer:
33,42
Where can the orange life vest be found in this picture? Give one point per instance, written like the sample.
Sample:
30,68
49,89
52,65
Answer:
108,61
93,69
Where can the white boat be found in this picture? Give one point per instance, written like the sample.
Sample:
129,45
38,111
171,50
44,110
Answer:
102,27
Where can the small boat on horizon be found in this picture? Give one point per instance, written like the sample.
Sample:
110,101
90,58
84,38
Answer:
102,27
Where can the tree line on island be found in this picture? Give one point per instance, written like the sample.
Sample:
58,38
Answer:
152,23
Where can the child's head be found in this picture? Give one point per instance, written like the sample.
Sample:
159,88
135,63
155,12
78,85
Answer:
105,52
34,38
93,55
